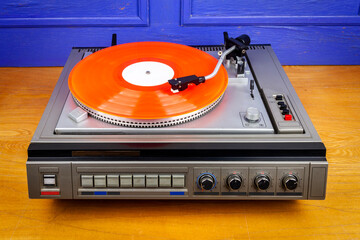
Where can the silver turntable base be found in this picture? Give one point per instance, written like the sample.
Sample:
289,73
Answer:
231,121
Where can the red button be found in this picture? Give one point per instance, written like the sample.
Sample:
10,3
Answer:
49,193
288,117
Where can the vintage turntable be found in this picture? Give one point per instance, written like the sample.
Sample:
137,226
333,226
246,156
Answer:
157,120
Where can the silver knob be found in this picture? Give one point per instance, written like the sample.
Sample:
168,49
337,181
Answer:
206,182
252,114
290,182
262,182
234,182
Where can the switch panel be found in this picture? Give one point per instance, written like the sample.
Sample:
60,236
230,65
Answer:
223,180
283,114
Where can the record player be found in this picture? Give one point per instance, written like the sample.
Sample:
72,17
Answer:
159,120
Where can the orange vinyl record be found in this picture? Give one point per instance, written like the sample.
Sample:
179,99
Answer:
128,85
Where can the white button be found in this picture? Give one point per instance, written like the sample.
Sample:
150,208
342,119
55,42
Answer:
165,180
139,180
152,180
126,181
113,180
50,180
178,180
87,181
99,181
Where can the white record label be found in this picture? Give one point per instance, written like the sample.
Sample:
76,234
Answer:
147,73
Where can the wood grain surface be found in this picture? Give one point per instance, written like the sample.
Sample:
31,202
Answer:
331,96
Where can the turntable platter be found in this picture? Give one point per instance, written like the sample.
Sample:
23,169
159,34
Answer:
128,85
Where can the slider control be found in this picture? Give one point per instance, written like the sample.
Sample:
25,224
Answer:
252,86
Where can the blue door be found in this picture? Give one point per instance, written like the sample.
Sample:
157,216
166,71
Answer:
305,32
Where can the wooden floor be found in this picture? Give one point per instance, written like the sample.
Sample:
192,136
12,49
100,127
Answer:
331,96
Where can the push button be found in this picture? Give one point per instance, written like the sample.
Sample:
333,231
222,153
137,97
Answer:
87,181
285,111
100,181
178,180
282,107
278,97
139,180
165,180
152,181
112,181
126,180
49,180
288,117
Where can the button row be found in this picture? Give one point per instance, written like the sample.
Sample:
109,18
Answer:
133,180
283,107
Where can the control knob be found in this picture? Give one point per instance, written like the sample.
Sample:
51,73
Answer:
262,182
290,182
234,181
207,181
252,114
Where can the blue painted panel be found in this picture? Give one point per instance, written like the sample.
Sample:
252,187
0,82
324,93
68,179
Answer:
274,8
282,12
48,42
44,13
60,9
